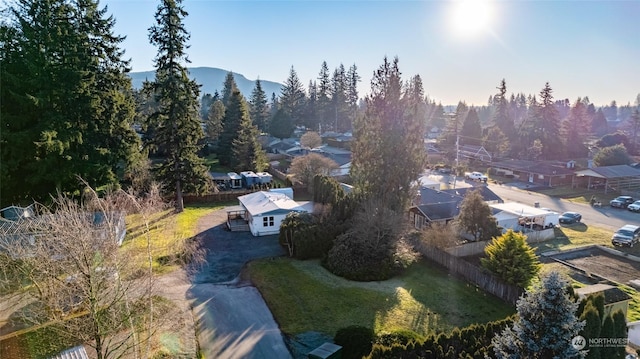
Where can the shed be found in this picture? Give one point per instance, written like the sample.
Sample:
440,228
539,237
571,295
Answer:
619,178
235,180
249,179
264,177
528,217
614,298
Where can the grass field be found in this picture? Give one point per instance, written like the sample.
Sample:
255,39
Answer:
303,296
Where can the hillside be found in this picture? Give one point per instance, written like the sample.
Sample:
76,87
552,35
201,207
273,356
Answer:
212,79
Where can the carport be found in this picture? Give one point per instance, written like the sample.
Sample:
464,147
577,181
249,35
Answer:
620,178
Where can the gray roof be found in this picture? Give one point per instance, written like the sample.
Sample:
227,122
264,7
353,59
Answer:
538,167
445,204
611,171
72,353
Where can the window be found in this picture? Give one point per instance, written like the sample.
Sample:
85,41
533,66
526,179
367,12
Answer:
267,222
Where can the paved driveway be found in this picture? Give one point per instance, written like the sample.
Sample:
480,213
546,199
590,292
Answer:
232,317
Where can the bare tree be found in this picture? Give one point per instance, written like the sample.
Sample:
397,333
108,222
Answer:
304,168
311,139
73,277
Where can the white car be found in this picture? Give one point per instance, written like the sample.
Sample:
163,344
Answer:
634,207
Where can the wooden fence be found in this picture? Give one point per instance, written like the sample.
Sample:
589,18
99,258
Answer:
226,196
474,274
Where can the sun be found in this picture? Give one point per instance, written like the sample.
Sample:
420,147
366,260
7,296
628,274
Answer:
471,17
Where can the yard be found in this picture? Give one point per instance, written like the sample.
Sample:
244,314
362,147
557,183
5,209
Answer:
303,296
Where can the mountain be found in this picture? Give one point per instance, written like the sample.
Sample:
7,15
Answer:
212,79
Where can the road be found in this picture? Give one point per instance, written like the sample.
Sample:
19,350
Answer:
604,217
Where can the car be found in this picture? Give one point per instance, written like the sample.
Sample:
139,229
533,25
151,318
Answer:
621,201
634,207
627,235
570,218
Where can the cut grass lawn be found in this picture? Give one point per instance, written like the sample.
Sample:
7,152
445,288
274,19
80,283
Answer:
303,296
167,233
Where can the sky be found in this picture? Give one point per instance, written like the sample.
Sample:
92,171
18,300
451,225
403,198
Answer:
461,49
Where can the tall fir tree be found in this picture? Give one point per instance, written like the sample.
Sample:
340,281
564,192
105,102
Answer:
213,122
324,97
549,132
293,98
234,113
471,130
575,129
67,104
247,152
502,116
258,107
339,100
311,120
388,149
228,88
177,121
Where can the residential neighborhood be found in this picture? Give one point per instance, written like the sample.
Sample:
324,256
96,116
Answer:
418,206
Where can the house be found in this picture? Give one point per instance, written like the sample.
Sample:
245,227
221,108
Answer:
443,206
614,298
340,156
535,172
262,212
474,152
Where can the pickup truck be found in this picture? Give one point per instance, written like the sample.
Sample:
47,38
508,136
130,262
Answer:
476,176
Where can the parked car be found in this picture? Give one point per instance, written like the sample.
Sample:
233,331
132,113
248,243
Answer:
475,176
570,218
621,201
627,235
634,207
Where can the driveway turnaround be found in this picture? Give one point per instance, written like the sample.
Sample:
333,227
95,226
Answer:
233,321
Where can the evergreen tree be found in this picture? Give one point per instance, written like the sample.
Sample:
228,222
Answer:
67,104
352,93
502,118
496,142
323,94
281,125
293,98
475,217
234,113
471,130
229,87
620,333
634,127
388,150
177,120
213,122
591,329
608,331
549,135
512,259
545,324
311,119
248,155
599,125
340,110
576,129
258,108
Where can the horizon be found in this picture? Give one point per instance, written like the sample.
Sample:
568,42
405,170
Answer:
460,49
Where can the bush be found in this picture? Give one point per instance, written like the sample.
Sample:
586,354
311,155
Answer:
399,337
356,341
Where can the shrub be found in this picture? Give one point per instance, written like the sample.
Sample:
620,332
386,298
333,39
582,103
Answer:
399,337
356,341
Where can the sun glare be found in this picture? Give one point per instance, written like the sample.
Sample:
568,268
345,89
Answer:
470,17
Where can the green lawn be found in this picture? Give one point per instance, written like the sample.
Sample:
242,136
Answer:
303,296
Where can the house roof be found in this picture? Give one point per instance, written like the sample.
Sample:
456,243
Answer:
520,209
440,211
263,202
611,293
72,353
610,171
445,204
539,167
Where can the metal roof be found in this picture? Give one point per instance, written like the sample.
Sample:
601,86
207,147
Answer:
617,171
72,353
259,203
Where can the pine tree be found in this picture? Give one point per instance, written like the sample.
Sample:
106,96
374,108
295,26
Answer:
352,93
213,122
281,125
235,111
311,119
549,117
293,98
67,104
339,105
324,101
229,87
177,120
247,152
388,150
546,323
471,129
502,118
258,108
